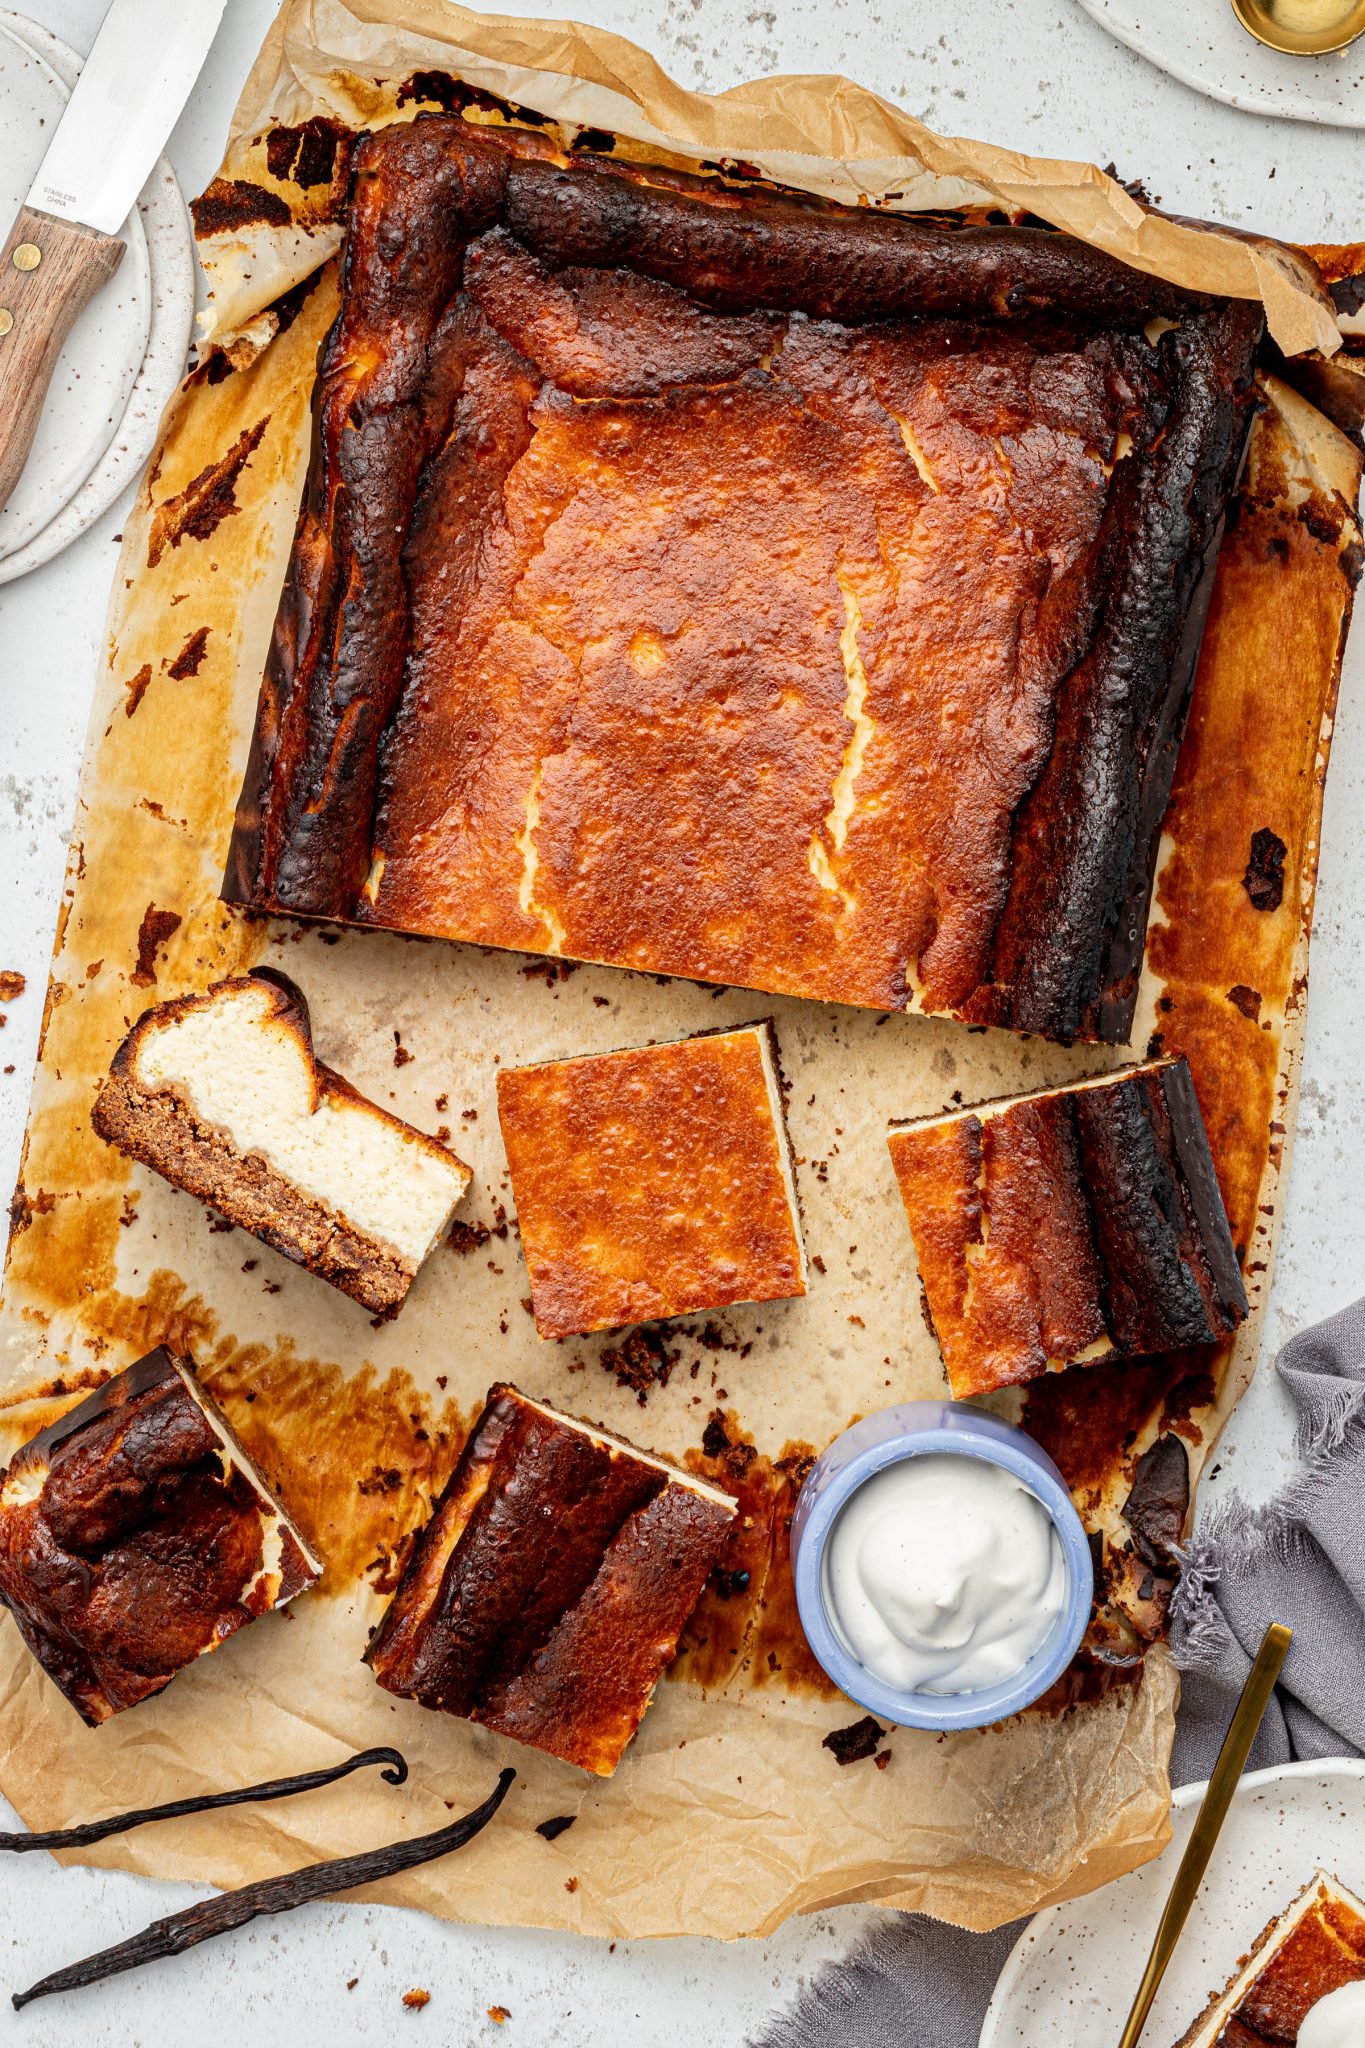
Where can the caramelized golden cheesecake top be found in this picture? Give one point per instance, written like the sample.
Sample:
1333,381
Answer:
742,589
652,1182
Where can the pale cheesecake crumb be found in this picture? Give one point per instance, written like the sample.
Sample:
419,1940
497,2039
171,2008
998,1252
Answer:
223,1096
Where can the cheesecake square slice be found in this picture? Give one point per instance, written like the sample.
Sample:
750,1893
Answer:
1315,1947
136,1535
653,1182
221,1094
1067,1226
547,1593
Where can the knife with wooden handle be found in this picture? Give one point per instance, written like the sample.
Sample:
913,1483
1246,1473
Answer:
66,242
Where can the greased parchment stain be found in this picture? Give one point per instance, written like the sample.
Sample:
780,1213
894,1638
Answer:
745,1627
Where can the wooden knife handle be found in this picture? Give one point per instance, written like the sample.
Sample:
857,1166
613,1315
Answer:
49,269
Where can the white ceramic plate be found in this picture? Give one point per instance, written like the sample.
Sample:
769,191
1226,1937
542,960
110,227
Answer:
1072,1976
126,352
1202,43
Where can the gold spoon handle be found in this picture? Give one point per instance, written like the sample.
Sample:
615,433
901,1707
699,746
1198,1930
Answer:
1223,1781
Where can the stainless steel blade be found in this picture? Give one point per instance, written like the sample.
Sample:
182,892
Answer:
126,101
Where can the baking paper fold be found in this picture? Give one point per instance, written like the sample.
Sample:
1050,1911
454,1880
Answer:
728,1813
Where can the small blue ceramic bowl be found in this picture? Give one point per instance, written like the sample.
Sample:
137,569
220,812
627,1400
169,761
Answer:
914,1430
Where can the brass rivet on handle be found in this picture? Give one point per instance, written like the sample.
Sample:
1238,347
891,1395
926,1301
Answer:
27,256
6,319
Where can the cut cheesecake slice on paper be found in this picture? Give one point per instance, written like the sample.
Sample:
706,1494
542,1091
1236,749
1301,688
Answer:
1070,1225
653,1182
136,1536
1315,1947
547,1593
221,1094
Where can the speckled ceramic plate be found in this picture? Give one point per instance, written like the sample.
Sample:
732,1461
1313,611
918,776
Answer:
1071,1978
1206,46
126,352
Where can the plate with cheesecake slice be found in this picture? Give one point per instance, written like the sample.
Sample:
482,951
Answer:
1278,1930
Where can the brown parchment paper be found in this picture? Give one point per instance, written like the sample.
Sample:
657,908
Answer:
727,1814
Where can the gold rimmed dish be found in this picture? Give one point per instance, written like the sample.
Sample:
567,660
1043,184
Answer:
1302,28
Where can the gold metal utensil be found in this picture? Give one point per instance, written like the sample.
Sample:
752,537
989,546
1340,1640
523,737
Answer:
1302,28
1212,1813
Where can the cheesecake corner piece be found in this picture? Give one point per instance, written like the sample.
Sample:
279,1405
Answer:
1314,1947
1069,1226
136,1535
223,1096
652,1182
560,1648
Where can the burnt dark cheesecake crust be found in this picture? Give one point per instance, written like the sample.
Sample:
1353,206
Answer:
136,1536
547,1593
741,587
1067,1227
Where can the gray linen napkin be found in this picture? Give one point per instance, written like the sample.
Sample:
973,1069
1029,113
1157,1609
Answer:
914,1983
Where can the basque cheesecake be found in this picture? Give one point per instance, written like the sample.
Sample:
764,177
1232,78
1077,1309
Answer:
222,1095
1068,1226
654,1181
1314,1948
708,579
547,1593
136,1535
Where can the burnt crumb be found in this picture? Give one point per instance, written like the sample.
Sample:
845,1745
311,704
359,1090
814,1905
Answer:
136,689
386,1480
882,1759
401,1055
1264,877
714,1441
442,1104
1247,1000
549,971
351,1983
551,1830
817,1262
1156,1508
228,204
1134,187
12,985
853,1744
599,140
601,1002
208,499
439,89
467,1237
642,1362
155,931
307,155
190,659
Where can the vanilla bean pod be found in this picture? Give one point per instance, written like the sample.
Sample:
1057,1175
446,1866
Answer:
249,1795
170,1937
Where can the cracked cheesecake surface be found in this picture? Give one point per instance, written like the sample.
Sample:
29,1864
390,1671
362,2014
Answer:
730,586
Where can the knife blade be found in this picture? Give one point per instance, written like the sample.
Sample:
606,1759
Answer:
65,243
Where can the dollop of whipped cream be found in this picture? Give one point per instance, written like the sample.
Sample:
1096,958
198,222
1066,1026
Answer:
944,1574
1337,2021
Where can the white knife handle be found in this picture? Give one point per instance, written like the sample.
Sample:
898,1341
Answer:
49,269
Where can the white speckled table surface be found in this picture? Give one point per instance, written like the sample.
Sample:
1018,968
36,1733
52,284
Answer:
1041,77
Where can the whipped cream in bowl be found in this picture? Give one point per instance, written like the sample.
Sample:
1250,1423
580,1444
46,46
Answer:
943,1577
